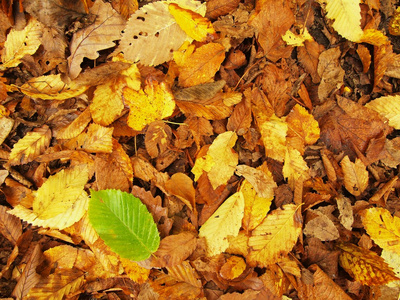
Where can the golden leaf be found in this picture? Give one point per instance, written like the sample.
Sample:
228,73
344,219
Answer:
61,221
200,65
364,265
107,103
134,271
100,35
6,125
58,285
220,161
303,129
153,103
273,135
374,37
294,167
388,107
238,244
297,40
382,228
76,126
30,146
394,24
226,221
355,176
347,16
261,179
194,24
52,87
275,236
20,43
232,268
97,139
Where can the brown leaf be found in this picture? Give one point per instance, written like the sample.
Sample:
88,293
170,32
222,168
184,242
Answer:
240,119
181,186
216,8
308,58
10,226
365,57
271,23
174,249
157,138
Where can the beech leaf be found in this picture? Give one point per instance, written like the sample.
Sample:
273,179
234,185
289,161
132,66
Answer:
124,223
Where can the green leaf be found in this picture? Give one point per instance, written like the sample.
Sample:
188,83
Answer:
124,224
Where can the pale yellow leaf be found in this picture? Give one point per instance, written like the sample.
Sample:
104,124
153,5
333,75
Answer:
383,228
295,168
30,146
297,40
61,221
275,236
388,107
60,191
220,161
100,35
6,124
20,43
155,102
273,135
194,24
355,176
153,28
52,87
347,16
226,221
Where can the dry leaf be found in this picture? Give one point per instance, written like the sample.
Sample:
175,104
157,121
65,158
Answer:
181,186
321,227
388,107
100,35
276,235
295,168
355,176
220,161
10,226
153,103
273,135
226,221
232,268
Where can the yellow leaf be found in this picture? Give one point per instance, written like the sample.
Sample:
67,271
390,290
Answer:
355,176
134,271
57,285
30,146
275,236
220,161
194,24
51,87
20,43
388,107
374,37
201,65
6,125
303,129
273,135
238,244
97,139
261,179
60,191
297,40
294,167
226,221
156,102
382,228
61,221
232,268
364,265
76,126
347,16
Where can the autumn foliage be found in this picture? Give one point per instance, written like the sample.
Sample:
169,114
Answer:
257,143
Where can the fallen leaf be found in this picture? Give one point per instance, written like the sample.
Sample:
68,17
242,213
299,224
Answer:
232,268
273,135
355,176
226,221
220,161
322,228
153,103
276,235
388,107
295,168
181,186
10,226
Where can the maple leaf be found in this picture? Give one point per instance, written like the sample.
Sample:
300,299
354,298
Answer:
220,161
100,35
275,236
226,221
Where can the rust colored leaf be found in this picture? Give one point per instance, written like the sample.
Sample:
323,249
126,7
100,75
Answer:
308,58
10,226
181,186
158,138
174,249
216,8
